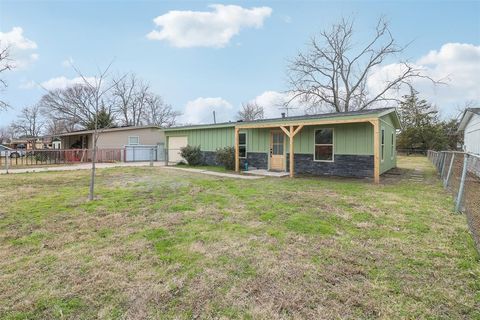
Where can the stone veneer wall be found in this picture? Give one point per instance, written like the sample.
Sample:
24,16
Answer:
344,165
258,160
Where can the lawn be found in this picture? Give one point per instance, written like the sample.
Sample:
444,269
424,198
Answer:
161,243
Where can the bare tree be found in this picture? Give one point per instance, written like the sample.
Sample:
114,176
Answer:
6,135
82,104
158,113
98,91
57,126
73,105
29,124
333,73
250,111
130,96
5,64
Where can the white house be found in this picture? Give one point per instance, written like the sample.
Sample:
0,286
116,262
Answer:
470,125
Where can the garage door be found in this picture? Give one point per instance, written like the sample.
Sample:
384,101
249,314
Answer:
174,146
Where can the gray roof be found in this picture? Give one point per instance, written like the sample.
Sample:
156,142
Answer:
466,117
302,117
72,133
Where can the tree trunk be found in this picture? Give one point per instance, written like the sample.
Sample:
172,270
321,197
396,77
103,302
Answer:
92,177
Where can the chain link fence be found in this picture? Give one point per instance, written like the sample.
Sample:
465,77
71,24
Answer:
460,174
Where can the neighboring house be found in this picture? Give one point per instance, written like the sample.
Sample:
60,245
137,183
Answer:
136,141
351,144
26,143
470,125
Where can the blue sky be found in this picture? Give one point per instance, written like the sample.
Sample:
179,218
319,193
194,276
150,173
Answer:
196,77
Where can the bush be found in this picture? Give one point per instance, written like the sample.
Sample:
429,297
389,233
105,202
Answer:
192,154
41,156
226,157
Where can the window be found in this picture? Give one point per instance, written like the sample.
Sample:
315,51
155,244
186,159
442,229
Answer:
133,140
383,144
277,143
242,145
323,145
392,147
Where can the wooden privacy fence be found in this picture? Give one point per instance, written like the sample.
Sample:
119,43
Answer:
460,174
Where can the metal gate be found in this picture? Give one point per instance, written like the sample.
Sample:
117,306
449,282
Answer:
144,153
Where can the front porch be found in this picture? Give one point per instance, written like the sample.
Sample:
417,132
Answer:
284,153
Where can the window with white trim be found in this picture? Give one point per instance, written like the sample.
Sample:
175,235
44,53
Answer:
323,148
382,145
132,140
242,145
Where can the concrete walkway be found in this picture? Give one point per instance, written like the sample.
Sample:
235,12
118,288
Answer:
266,173
82,166
217,174
88,166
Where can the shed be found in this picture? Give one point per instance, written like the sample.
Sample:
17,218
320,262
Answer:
349,144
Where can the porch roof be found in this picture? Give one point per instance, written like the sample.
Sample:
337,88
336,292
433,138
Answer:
326,118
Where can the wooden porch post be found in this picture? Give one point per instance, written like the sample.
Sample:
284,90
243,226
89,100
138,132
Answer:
376,150
237,151
291,152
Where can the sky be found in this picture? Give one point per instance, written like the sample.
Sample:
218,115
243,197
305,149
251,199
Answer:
204,56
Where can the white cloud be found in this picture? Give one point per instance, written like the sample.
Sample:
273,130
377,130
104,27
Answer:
214,28
15,39
286,19
28,85
19,47
201,110
456,64
67,63
64,82
273,101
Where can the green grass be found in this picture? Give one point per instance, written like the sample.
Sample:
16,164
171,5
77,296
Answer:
167,244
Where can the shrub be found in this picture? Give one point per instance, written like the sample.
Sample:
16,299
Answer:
192,154
41,156
226,157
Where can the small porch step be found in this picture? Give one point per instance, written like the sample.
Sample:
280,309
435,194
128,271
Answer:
266,173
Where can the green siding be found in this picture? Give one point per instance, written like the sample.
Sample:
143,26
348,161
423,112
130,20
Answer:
390,159
208,139
353,139
258,140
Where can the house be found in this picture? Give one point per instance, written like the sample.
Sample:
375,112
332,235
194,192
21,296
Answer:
28,143
350,144
470,126
137,142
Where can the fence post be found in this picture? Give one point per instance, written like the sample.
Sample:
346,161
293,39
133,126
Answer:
462,183
6,161
447,179
151,157
444,165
